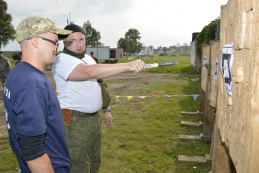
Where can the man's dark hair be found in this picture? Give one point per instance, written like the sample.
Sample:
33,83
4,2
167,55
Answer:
1,52
73,28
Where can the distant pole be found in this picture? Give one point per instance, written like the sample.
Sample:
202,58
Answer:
67,19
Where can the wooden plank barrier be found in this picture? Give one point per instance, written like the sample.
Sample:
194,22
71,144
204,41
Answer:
208,101
209,108
204,74
236,135
204,77
208,85
235,140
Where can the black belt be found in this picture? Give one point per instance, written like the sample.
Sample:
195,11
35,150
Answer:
77,113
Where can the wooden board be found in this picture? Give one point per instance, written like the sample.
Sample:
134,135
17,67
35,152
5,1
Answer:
221,161
194,137
215,55
209,111
202,100
196,159
205,65
188,123
208,119
238,115
191,113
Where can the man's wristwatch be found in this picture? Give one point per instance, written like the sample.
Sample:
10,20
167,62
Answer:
106,110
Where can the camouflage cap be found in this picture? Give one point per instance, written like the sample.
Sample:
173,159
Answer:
33,26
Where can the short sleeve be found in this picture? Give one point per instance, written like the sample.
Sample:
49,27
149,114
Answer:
64,65
88,60
31,107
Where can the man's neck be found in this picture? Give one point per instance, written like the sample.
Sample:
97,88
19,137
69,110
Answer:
78,55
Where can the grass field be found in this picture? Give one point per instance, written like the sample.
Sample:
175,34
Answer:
145,135
144,138
182,67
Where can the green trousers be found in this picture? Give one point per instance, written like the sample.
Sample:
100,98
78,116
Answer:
83,137
2,80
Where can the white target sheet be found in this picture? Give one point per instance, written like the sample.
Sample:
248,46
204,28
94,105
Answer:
226,67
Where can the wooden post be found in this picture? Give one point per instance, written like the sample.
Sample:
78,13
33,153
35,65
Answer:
208,120
202,100
223,163
209,111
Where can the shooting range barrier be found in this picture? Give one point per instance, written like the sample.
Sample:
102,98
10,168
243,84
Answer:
208,93
235,93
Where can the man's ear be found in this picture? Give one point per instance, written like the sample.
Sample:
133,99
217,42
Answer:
35,41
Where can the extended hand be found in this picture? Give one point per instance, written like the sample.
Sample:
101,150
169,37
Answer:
137,66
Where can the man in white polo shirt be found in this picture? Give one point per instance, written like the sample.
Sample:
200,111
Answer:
80,98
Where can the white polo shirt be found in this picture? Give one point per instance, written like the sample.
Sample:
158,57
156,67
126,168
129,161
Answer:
82,96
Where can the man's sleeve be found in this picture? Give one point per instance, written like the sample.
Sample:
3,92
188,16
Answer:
32,146
31,109
64,65
89,60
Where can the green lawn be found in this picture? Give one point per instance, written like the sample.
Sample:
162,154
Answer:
145,133
183,66
8,162
144,138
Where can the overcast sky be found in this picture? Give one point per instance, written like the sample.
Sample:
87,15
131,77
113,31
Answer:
160,22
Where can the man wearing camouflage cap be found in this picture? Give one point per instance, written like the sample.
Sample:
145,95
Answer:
33,114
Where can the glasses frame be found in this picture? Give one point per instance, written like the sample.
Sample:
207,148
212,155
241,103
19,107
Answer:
56,43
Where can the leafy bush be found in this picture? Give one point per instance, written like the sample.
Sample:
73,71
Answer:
16,55
207,34
162,54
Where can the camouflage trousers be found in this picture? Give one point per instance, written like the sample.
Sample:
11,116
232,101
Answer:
83,137
3,79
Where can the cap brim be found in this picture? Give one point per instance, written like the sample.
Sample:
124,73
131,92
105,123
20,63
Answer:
62,36
62,33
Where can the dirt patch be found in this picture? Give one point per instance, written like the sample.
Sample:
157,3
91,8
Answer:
3,129
121,83
129,83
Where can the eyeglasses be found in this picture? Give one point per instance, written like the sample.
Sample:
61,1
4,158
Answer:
53,42
56,43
